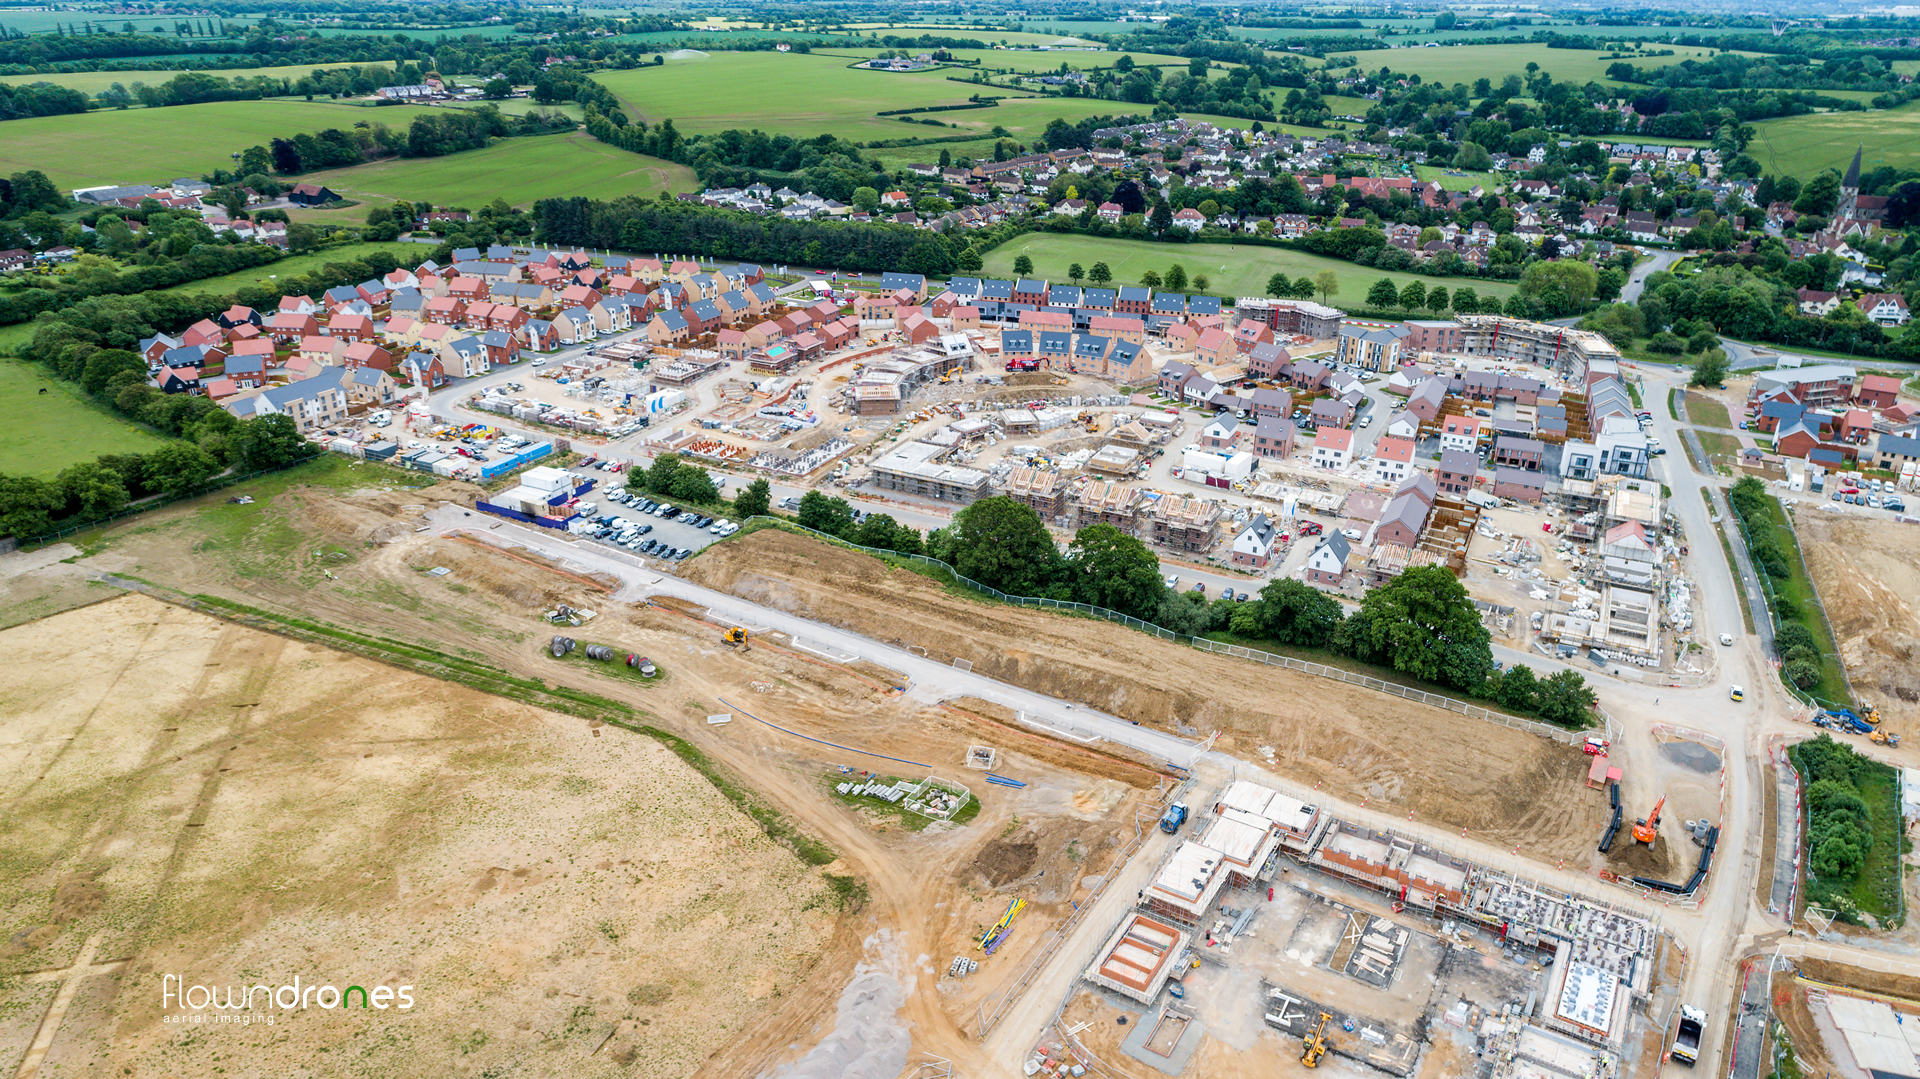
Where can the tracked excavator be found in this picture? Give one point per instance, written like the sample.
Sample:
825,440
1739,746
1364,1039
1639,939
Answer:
736,637
1646,831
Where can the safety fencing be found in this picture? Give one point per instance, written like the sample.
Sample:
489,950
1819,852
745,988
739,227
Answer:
1317,670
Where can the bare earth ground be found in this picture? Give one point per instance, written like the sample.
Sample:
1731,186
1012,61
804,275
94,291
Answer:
1512,788
352,559
1867,572
234,807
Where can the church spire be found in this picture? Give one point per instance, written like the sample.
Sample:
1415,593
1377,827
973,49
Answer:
1852,182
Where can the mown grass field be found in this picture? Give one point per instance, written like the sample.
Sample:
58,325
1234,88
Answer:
93,82
1231,269
148,145
410,254
46,432
519,170
1804,145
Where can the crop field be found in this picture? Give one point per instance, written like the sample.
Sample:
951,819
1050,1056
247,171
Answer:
43,20
184,140
1804,145
1037,62
817,95
46,432
93,82
519,170
1464,63
1232,269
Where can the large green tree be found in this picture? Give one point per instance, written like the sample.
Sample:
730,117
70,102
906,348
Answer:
824,513
92,490
26,506
1425,624
1114,570
1002,543
179,467
1290,612
1566,699
754,500
271,442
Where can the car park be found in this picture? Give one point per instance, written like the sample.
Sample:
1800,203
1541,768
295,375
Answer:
1894,504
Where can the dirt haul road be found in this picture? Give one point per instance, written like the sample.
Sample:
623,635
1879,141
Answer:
1506,787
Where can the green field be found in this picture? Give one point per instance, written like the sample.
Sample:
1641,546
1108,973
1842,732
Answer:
1028,60
796,94
519,170
409,254
1804,145
1450,64
1455,181
154,145
1232,269
93,82
46,432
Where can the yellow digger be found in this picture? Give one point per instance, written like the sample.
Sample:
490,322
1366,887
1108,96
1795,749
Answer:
736,637
1316,1043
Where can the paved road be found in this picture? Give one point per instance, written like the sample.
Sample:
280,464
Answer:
1637,280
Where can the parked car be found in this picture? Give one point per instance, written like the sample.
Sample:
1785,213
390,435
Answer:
1173,580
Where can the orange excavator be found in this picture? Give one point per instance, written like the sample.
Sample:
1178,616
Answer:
1646,831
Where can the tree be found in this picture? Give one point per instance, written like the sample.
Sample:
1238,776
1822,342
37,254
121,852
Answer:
1150,279
1200,282
823,513
1472,157
179,467
1075,272
108,362
1328,283
1022,265
1100,273
1820,195
1428,627
1111,569
754,500
1176,278
1574,278
660,474
1437,299
1519,689
1414,296
1002,544
692,484
1566,699
1710,369
497,89
1279,285
1383,294
26,506
1294,613
881,532
1161,219
866,199
271,441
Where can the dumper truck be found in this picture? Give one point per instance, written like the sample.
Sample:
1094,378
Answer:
1686,1040
1175,816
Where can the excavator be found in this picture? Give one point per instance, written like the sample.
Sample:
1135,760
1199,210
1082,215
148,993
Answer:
1316,1043
736,637
1646,831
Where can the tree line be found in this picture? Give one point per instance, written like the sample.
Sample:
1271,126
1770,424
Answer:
1422,623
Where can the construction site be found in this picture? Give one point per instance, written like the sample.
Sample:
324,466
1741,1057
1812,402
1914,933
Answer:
1282,932
1047,821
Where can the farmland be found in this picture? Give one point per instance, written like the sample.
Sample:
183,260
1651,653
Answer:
1464,63
518,170
1804,145
93,82
1233,269
46,432
186,140
820,95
